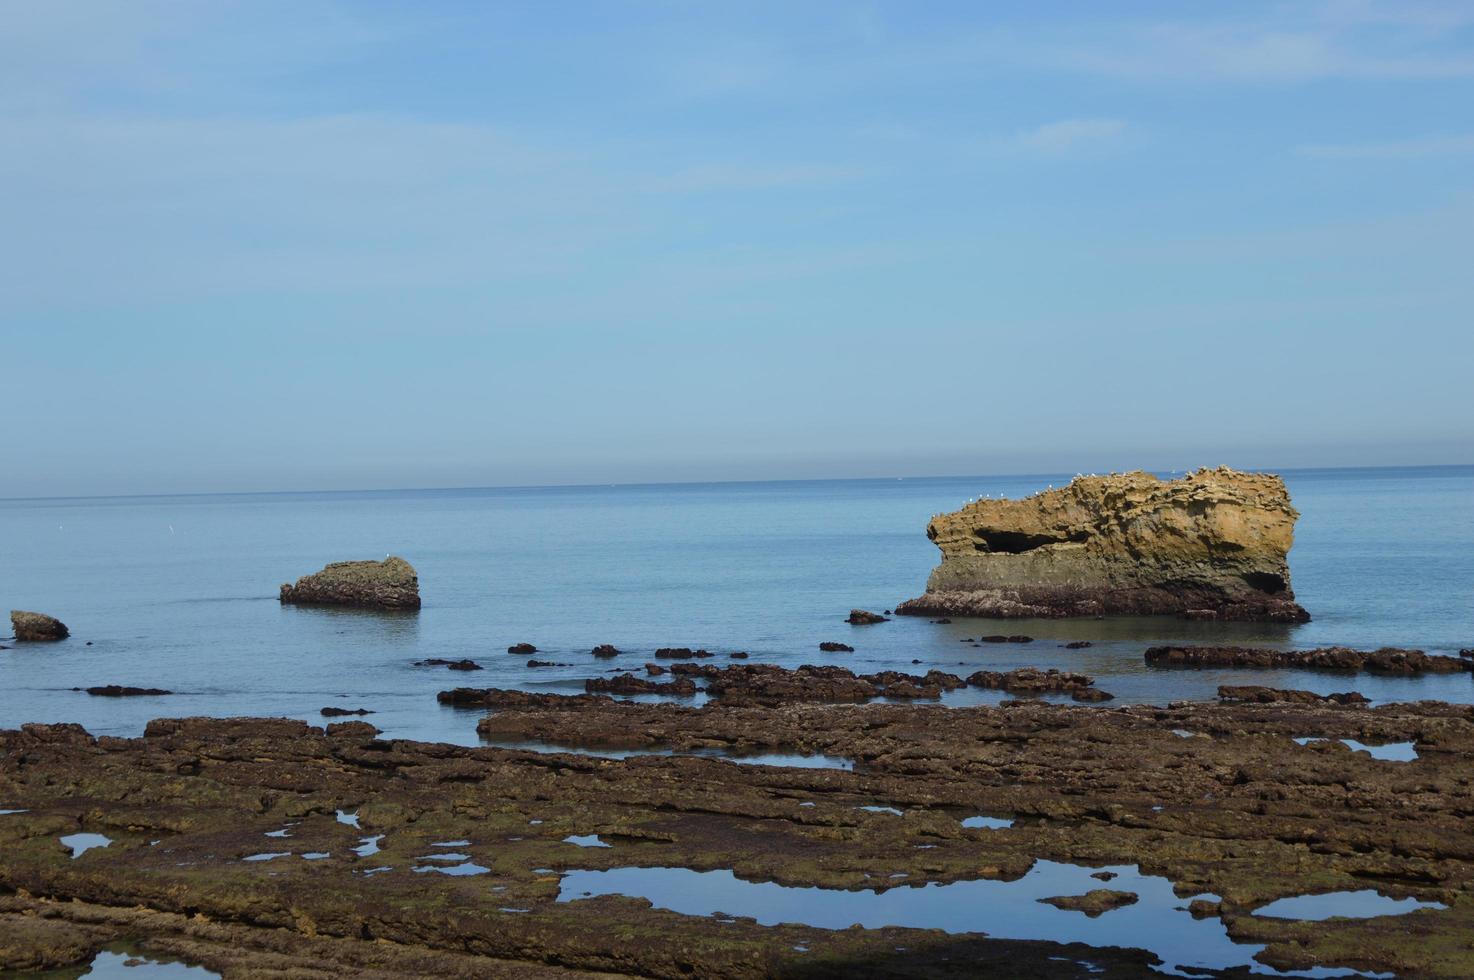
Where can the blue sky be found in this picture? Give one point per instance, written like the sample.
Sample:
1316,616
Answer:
301,245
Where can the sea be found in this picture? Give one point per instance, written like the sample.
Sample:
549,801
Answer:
180,593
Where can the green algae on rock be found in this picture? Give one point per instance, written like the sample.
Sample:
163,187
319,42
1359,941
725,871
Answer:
388,584
1211,545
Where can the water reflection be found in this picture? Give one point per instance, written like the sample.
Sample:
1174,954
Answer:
1158,922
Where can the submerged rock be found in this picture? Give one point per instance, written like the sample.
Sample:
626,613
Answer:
829,646
522,649
605,651
863,617
33,626
388,584
1213,543
344,712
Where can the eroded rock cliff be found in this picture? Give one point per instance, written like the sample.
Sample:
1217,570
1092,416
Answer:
1210,545
388,584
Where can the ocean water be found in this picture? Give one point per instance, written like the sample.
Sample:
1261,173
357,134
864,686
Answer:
179,592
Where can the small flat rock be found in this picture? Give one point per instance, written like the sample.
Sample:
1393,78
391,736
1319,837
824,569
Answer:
1092,903
118,691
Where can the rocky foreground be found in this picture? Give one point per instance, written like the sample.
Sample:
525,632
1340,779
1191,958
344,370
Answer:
1219,798
1212,545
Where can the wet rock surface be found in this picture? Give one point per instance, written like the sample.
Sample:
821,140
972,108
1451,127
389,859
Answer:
522,649
1239,810
1270,695
864,617
605,651
832,646
630,684
34,627
1211,545
343,712
465,664
388,584
1388,660
1031,680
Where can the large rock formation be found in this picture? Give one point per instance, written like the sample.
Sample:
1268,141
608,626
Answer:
37,626
1211,545
388,584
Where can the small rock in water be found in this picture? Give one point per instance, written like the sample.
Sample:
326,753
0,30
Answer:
738,655
1090,694
605,650
343,712
863,617
37,627
388,584
466,664
117,691
829,646
522,649
1092,903
1078,644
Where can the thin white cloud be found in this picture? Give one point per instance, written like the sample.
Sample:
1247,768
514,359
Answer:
1408,149
1070,134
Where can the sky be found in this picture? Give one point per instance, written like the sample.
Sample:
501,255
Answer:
316,245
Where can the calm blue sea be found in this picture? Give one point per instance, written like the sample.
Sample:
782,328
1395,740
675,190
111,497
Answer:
180,592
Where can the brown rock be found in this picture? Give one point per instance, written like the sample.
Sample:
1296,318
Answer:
862,617
344,712
522,649
1271,695
630,684
1215,540
829,646
1032,680
605,651
34,626
1388,660
388,584
1092,903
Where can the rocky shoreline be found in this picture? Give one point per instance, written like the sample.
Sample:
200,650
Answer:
1234,799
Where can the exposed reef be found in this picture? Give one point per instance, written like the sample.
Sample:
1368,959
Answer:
34,626
1239,810
1388,660
1211,545
388,584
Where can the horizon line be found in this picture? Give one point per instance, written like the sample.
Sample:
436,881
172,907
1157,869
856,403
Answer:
702,483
